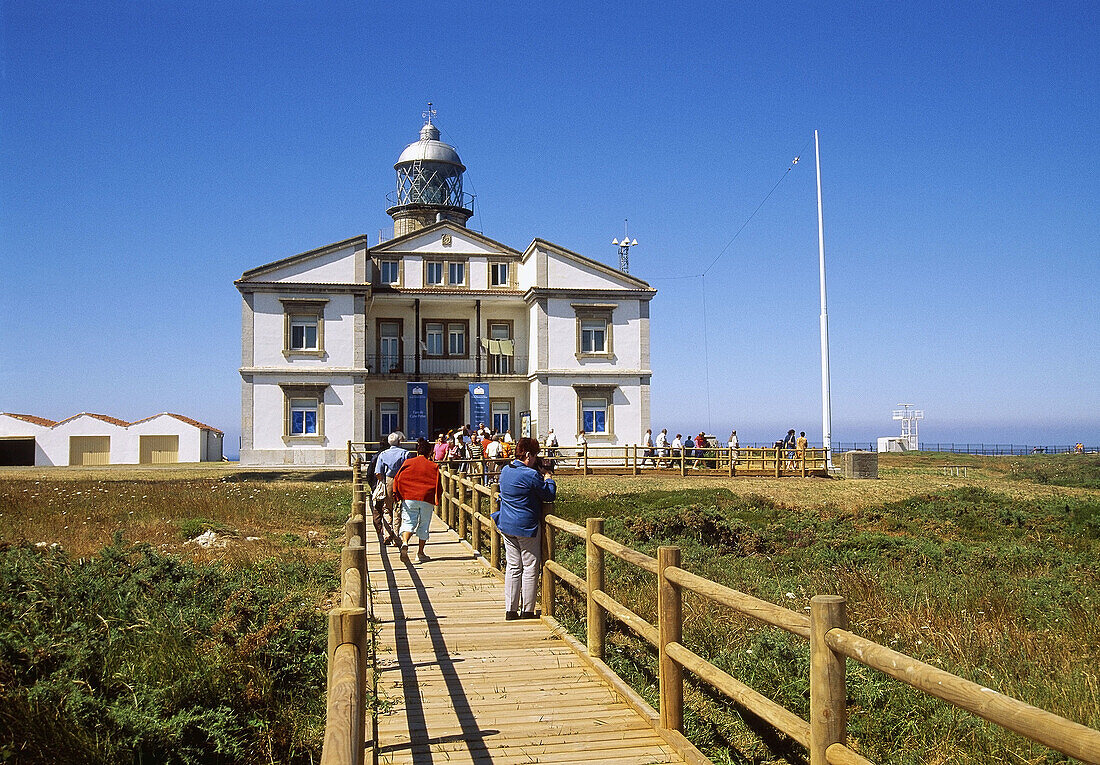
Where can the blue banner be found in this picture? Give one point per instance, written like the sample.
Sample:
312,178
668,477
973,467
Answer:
418,410
479,404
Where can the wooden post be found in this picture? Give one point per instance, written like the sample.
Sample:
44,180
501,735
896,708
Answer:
828,709
670,629
548,584
349,452
683,460
731,462
348,627
634,470
584,469
450,500
461,511
597,625
778,461
494,541
355,558
475,516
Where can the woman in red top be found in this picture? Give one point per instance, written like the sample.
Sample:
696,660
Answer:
416,484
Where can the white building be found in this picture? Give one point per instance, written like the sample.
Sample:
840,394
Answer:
97,439
435,328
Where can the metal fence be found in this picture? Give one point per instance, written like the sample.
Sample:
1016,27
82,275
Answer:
986,449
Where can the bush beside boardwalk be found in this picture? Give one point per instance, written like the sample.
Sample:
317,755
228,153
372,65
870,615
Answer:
993,577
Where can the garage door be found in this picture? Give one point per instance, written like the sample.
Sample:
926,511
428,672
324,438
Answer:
89,450
16,451
160,450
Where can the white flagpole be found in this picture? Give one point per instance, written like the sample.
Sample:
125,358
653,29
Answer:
826,401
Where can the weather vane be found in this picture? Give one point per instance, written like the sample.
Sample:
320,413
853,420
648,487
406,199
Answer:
429,113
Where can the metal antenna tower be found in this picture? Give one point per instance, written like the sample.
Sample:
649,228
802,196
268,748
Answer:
624,249
909,416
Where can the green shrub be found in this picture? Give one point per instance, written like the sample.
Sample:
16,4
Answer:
132,656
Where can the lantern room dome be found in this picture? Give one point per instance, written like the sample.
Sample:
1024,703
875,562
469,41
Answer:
429,149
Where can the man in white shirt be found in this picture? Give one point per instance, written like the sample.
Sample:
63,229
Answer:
662,446
647,448
494,455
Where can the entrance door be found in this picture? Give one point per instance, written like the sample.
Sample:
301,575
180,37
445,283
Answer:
389,347
445,415
89,450
17,451
160,450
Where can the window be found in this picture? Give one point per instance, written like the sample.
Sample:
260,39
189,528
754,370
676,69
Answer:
456,339
594,329
389,271
593,336
304,412
501,412
498,275
433,274
303,417
389,417
303,327
596,410
433,338
303,333
501,348
445,338
456,273
389,345
594,415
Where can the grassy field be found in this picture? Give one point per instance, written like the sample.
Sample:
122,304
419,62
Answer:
121,641
995,577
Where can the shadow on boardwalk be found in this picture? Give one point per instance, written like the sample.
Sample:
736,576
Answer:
467,686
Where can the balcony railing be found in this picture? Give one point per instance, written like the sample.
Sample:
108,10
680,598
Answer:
435,366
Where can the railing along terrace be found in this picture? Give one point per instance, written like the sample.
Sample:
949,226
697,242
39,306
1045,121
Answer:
352,684
632,459
465,503
489,364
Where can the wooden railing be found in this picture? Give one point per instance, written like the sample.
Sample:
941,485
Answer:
352,662
465,504
632,459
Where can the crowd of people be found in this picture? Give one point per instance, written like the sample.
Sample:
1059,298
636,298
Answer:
405,485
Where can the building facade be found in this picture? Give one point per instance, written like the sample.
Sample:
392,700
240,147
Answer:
437,327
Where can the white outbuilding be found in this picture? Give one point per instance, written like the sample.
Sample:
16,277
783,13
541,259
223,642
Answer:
98,439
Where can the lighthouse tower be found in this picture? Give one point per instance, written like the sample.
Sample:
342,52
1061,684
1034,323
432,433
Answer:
429,183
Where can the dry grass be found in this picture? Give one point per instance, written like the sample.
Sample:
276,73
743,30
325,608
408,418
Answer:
81,509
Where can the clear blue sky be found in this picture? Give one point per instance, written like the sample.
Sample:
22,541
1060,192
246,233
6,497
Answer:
152,151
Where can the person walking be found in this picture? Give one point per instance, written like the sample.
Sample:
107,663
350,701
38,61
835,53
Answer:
551,448
787,444
700,446
733,445
416,484
647,448
800,449
525,484
662,447
389,462
439,452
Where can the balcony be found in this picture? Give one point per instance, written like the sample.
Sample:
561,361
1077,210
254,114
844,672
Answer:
491,365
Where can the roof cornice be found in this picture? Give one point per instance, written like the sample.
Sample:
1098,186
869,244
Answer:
441,225
311,288
602,267
536,293
260,270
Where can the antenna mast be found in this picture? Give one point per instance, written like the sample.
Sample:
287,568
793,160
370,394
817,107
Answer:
624,249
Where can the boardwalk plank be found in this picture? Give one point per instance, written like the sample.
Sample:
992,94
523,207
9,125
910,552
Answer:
466,686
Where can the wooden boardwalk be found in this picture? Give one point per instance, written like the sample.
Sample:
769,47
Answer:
466,686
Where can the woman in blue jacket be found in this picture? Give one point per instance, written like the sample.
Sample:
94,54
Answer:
525,484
